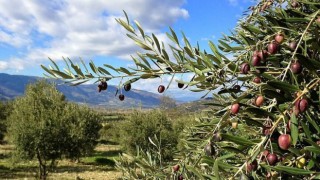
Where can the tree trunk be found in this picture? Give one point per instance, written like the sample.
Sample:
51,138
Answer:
43,174
42,168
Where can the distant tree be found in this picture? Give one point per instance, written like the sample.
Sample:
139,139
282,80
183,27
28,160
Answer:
83,126
44,126
4,112
141,126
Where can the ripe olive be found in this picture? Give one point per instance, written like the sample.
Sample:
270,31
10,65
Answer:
235,108
273,48
284,141
176,168
180,85
121,97
293,45
161,89
301,105
252,166
127,87
245,68
102,86
256,61
272,159
296,68
279,38
259,101
257,80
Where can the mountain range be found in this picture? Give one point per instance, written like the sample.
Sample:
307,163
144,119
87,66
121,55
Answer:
12,86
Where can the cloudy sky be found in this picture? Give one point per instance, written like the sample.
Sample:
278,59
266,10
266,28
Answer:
33,30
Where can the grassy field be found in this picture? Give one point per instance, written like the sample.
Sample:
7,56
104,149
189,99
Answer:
99,165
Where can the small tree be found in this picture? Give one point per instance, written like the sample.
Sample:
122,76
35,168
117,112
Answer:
35,125
43,126
83,126
4,113
141,127
266,118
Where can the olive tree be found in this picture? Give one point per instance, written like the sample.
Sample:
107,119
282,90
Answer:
83,127
141,126
4,113
43,126
266,118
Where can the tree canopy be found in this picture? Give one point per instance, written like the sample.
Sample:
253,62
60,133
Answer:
43,126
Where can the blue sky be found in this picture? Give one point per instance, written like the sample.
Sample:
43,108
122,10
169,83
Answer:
31,31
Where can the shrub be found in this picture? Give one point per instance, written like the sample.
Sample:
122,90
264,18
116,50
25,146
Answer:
83,125
110,132
140,126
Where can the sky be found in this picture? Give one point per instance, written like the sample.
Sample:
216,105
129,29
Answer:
32,31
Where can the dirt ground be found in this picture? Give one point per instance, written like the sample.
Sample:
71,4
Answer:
98,166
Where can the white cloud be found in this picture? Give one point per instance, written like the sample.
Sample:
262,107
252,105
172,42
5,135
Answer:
3,65
14,39
74,28
13,63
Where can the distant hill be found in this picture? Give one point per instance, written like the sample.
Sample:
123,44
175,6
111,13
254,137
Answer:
12,86
195,106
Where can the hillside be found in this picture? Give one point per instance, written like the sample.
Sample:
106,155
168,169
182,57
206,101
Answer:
12,86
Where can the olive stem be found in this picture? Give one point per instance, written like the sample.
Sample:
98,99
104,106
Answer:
299,42
271,148
257,148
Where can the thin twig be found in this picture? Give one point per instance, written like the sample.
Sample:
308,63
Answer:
295,51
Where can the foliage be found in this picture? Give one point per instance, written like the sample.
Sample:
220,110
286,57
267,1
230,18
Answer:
83,127
42,126
5,108
110,132
141,126
278,43
35,125
111,123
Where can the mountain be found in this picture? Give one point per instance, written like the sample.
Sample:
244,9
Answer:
12,86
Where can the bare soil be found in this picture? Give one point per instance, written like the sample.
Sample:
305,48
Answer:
98,166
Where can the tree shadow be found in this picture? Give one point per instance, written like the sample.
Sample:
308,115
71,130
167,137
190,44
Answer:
17,172
99,161
31,172
106,142
106,153
102,158
82,168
